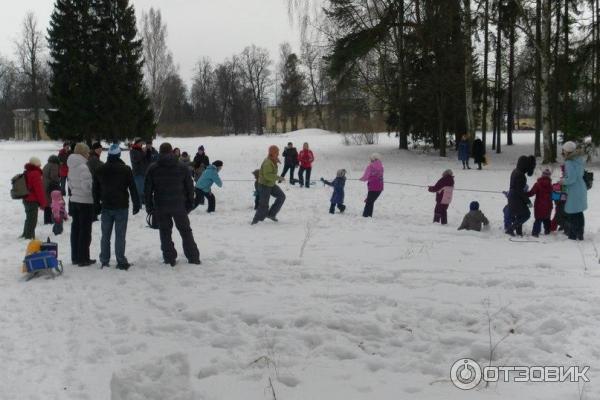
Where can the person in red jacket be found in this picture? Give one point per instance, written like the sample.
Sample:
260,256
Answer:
63,171
36,199
542,190
305,159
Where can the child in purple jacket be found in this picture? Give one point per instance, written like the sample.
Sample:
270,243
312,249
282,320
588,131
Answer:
444,189
374,177
337,198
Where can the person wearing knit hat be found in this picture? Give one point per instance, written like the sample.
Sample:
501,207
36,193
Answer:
542,207
113,186
82,149
373,175
267,187
209,177
35,199
474,219
576,190
337,198
443,189
94,161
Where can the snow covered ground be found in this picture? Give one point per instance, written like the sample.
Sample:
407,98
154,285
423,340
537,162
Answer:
375,309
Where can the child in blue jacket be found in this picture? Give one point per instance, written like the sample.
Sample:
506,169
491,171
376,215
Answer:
337,198
209,177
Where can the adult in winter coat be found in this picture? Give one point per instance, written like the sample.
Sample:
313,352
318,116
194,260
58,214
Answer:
267,187
82,205
139,165
201,161
36,199
478,152
463,151
51,179
305,159
443,189
209,177
337,198
113,185
170,197
94,161
290,161
518,201
576,191
474,219
374,177
542,208
63,156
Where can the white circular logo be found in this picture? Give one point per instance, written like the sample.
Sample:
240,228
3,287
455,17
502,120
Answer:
465,374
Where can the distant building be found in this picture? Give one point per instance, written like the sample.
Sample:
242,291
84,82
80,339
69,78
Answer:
24,119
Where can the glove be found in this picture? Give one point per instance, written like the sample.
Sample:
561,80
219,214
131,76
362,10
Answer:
136,210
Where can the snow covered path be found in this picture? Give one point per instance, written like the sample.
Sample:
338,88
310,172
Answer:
375,309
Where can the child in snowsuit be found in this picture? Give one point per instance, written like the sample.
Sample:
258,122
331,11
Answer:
542,190
444,189
508,218
474,219
337,198
209,177
59,214
255,173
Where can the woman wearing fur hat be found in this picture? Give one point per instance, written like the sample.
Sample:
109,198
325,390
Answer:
374,177
337,198
36,199
444,189
267,187
81,206
576,190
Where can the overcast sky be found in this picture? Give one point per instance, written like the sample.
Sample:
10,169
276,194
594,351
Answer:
197,28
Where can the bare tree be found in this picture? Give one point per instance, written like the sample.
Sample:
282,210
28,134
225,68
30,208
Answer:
316,77
158,60
468,44
30,52
255,63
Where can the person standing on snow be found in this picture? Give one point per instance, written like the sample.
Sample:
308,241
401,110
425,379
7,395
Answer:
305,159
36,199
290,161
51,179
267,187
170,197
139,165
82,205
478,152
518,200
209,177
374,177
443,189
201,161
94,161
463,151
113,185
576,190
63,156
337,198
542,190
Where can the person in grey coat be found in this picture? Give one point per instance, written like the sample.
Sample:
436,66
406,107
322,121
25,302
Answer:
51,180
474,219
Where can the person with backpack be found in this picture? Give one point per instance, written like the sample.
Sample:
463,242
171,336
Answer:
374,177
170,198
81,206
305,159
290,161
209,177
63,156
36,199
51,179
576,189
112,187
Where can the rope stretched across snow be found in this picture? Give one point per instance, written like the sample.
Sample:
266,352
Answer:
391,183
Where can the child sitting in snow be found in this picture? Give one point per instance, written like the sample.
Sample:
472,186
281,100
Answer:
59,214
444,189
474,219
337,198
542,190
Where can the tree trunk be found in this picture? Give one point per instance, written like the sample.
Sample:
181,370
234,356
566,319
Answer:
468,50
498,86
596,83
558,71
546,79
538,80
486,50
510,125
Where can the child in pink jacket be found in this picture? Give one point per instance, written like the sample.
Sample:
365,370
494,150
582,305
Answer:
374,177
444,189
59,214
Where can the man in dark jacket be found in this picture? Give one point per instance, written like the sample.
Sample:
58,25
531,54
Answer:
113,184
290,161
518,200
94,160
139,164
169,194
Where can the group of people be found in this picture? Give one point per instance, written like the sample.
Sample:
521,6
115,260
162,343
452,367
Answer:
170,186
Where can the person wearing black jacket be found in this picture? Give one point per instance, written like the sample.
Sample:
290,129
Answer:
201,161
112,186
478,152
290,157
518,201
169,194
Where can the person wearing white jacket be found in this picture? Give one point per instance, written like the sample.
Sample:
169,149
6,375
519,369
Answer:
81,206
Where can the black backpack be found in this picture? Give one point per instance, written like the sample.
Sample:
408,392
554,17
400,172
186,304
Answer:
19,189
588,178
